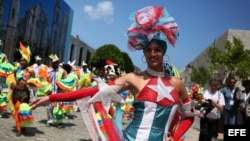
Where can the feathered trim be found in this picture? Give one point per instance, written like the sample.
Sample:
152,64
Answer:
25,51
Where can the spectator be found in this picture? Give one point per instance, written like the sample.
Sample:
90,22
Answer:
230,91
211,109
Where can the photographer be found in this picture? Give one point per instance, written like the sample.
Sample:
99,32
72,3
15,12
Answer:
211,108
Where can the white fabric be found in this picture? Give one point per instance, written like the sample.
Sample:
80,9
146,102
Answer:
107,94
217,96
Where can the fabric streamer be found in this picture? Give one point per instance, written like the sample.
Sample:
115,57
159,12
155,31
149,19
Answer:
99,123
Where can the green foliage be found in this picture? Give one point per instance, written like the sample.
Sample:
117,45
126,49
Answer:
200,76
235,59
112,52
107,51
128,64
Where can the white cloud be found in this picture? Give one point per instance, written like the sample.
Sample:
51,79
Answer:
103,11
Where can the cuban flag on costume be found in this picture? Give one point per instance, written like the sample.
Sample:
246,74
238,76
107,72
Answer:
158,100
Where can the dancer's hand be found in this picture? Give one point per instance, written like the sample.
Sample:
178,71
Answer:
39,102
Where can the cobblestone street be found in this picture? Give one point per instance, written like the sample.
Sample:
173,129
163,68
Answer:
73,129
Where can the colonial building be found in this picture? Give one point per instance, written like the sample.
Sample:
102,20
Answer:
79,51
201,59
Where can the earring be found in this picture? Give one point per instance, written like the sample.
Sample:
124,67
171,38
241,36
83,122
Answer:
165,58
143,58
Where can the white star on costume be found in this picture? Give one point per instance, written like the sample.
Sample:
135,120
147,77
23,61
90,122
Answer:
162,90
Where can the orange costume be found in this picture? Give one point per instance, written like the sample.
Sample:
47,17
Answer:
19,92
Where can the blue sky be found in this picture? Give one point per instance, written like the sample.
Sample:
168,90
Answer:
99,22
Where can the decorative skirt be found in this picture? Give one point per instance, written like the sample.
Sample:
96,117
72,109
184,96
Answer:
25,115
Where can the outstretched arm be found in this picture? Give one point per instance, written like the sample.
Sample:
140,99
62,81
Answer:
66,96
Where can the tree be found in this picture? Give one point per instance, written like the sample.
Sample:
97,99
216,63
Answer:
128,64
200,76
235,60
107,51
112,52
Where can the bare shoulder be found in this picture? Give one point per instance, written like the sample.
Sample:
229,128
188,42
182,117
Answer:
176,82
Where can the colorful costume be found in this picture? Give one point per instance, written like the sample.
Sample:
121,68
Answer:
5,70
158,109
19,93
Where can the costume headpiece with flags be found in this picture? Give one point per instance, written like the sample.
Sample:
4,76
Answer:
149,24
53,57
25,51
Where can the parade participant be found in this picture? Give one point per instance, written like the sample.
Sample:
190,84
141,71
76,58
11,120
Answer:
55,73
40,71
158,96
68,84
6,69
20,94
39,68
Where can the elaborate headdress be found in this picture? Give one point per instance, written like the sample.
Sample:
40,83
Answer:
110,64
54,58
152,22
25,51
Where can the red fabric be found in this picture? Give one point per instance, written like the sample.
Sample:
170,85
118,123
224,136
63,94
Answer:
74,95
108,123
183,126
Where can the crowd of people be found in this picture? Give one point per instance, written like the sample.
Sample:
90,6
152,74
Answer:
221,105
161,107
22,82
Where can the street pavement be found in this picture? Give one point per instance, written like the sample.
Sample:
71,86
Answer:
73,129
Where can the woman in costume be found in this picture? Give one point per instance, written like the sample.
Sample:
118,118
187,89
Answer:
158,96
19,92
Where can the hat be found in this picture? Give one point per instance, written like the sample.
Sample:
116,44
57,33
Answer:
151,22
84,64
54,58
25,51
112,73
38,58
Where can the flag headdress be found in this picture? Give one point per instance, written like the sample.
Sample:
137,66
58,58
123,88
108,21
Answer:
152,22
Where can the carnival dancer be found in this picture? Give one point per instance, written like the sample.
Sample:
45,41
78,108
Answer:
85,79
19,92
158,96
40,71
55,73
68,84
6,69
